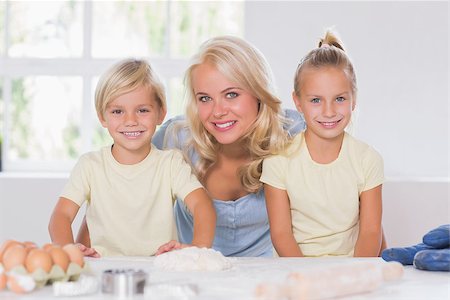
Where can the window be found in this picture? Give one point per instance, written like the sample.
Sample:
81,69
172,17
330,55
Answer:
52,53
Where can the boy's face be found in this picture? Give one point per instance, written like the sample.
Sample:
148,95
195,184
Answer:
326,101
131,120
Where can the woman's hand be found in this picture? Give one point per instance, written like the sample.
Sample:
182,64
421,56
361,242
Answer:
91,252
169,246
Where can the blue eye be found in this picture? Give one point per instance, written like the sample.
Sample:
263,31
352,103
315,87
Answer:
315,100
340,99
231,95
204,98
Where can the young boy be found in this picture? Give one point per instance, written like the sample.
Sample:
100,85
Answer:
130,186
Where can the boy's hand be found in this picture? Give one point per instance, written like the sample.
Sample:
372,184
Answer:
169,246
91,252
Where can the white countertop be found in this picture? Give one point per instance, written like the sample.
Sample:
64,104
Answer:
240,281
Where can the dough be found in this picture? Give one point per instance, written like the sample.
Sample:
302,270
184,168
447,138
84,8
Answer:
192,259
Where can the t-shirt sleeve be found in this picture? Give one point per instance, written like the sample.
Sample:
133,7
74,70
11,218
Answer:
183,179
78,188
274,171
373,169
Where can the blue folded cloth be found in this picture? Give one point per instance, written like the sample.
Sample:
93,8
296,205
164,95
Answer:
404,255
433,260
439,237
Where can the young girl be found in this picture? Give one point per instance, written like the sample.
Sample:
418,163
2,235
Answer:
130,186
323,193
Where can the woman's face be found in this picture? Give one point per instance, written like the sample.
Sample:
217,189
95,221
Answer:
225,109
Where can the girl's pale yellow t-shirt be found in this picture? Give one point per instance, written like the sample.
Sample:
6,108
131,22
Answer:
324,198
130,207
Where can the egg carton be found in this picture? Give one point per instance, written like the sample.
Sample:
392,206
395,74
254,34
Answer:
18,279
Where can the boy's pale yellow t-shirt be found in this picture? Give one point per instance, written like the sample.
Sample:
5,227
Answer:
324,198
130,207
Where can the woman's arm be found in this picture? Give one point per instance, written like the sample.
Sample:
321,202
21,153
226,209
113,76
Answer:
168,134
279,212
370,232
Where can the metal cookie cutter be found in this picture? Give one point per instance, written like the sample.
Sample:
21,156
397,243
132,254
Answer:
123,283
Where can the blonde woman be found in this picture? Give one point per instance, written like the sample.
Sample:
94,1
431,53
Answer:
233,121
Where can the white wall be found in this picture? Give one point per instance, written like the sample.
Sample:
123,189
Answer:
400,51
410,208
26,203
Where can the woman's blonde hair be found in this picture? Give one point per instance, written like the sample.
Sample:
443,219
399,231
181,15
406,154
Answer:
330,52
242,63
124,77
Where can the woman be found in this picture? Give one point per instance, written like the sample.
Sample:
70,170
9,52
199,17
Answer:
233,121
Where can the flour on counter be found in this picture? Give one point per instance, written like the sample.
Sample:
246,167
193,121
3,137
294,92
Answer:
192,259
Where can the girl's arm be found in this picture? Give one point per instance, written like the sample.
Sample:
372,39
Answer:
60,226
279,212
370,232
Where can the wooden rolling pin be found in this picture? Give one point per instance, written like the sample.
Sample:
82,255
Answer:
334,281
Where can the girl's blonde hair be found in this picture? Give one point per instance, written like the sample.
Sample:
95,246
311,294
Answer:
330,52
124,77
242,63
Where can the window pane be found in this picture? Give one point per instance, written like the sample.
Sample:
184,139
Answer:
134,28
194,22
2,121
175,98
45,118
45,28
2,27
100,135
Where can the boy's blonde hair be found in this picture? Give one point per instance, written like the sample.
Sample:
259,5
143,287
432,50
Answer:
330,52
124,77
242,63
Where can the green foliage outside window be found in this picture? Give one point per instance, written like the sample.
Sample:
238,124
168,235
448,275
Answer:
46,116
20,113
2,120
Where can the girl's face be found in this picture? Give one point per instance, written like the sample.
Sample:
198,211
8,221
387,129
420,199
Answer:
326,100
131,120
225,109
